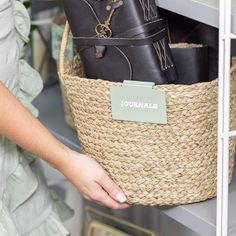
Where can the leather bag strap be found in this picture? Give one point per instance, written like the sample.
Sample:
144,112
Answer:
121,41
153,26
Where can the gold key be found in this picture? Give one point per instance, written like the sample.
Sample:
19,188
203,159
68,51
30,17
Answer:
104,30
108,21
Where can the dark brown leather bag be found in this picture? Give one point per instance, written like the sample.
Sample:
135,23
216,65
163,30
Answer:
121,40
186,30
191,62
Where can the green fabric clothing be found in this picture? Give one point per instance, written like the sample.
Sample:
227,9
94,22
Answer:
27,207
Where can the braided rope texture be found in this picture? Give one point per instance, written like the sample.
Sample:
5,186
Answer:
154,164
67,110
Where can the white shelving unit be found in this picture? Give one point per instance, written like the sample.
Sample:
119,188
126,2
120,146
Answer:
225,36
205,11
222,14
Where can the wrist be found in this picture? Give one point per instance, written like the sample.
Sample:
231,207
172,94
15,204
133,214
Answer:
62,158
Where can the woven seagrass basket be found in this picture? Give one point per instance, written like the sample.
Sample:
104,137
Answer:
154,164
57,32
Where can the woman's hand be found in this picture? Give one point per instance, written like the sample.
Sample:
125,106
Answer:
85,173
92,181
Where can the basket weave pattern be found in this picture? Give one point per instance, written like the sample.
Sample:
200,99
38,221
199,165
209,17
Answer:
66,104
154,164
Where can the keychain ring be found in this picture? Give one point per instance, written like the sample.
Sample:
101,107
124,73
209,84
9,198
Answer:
103,31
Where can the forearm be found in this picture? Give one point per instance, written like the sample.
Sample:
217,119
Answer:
19,125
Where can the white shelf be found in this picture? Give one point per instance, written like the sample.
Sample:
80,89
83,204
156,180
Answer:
51,114
205,11
201,217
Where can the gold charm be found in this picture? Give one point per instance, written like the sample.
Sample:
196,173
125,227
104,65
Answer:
104,30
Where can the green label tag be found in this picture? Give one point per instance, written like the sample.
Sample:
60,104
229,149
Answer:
138,101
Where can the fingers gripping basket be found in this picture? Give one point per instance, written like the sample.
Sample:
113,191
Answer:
154,164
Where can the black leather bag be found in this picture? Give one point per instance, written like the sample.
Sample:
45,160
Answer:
191,62
121,40
185,30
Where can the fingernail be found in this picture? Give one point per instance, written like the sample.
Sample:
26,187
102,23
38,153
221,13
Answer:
120,197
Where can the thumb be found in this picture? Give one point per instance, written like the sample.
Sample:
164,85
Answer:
112,189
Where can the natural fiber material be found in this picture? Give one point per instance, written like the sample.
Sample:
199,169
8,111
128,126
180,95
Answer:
69,118
154,164
67,110
185,45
